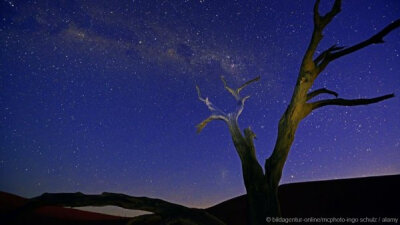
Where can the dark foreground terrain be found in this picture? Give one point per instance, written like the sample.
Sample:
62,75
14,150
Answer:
357,197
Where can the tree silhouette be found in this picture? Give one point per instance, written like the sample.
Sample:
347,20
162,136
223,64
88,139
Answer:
261,182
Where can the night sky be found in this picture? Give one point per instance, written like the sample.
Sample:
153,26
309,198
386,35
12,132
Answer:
100,95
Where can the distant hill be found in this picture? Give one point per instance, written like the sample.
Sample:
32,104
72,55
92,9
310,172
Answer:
357,197
52,215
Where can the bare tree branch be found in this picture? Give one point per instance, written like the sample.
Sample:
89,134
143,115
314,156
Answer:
203,123
320,23
218,114
349,102
316,12
210,106
247,83
326,19
330,50
236,93
241,106
321,91
331,55
376,39
170,211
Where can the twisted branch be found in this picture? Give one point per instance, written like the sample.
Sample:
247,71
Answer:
349,102
203,123
320,23
247,83
321,91
236,93
332,54
325,53
218,114
209,104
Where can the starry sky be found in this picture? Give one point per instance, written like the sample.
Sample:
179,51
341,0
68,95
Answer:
100,95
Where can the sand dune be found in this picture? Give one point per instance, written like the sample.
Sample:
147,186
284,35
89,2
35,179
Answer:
357,197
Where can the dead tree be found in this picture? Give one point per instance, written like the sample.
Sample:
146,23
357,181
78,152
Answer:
262,184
